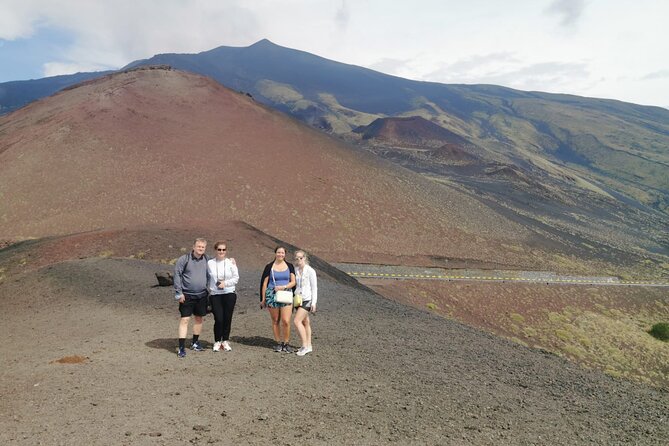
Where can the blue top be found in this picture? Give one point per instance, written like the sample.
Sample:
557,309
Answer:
281,277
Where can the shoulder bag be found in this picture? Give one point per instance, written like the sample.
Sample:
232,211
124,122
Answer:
282,296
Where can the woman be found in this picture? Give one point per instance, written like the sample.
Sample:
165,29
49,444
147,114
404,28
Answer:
223,277
307,287
278,275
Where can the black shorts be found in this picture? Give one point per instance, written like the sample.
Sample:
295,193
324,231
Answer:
193,306
306,304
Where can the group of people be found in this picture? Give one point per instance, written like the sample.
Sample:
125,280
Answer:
200,281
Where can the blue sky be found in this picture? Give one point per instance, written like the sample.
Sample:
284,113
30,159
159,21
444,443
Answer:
599,48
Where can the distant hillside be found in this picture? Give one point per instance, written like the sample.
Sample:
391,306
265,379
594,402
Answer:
16,94
413,131
618,145
158,146
590,173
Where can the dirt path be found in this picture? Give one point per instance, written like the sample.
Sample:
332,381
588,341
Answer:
380,373
362,271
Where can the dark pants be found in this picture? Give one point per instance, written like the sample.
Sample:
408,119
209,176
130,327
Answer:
223,305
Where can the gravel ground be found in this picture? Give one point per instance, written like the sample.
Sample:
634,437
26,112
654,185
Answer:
380,373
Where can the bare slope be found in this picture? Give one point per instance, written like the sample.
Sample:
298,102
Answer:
102,368
160,146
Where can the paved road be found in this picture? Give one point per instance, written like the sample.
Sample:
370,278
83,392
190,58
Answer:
367,271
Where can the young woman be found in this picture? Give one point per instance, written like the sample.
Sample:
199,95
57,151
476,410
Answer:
223,277
278,275
307,287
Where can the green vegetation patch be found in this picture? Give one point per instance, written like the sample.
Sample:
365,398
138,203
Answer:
660,331
517,318
612,340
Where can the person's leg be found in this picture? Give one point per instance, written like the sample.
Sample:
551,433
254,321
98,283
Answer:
219,315
298,321
183,327
186,311
274,314
228,303
183,331
197,326
197,330
286,313
307,330
199,311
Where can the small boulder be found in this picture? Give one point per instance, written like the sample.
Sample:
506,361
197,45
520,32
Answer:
165,278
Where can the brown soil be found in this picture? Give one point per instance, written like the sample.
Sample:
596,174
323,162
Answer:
380,373
75,359
604,327
162,147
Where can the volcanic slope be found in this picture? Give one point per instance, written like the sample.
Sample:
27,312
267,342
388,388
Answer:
155,145
91,360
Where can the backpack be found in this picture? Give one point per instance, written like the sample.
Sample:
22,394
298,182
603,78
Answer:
206,259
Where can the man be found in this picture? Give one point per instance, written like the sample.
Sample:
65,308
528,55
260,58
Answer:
190,287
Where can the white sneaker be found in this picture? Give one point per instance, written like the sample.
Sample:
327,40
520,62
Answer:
304,350
226,346
217,346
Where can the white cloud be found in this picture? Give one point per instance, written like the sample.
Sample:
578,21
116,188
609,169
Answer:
58,68
343,15
508,69
392,66
115,33
662,74
569,10
17,19
575,46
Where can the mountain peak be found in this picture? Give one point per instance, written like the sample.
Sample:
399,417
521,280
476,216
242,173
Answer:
263,43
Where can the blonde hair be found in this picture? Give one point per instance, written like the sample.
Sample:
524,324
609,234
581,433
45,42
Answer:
306,257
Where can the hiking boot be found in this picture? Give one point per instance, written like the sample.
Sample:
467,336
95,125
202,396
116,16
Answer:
278,347
181,353
217,346
287,349
304,350
226,346
195,346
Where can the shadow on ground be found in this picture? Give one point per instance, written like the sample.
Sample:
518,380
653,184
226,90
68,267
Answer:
255,341
171,344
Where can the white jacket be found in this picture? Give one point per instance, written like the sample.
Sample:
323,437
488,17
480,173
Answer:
225,270
307,285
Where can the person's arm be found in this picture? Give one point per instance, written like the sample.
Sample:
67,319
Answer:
178,278
209,276
313,283
263,289
265,274
291,285
234,279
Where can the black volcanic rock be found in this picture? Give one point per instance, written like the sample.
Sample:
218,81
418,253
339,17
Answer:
165,278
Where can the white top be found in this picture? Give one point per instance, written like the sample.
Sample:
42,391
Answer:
307,285
222,270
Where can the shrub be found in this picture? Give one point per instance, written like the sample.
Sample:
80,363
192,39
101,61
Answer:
518,318
660,331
